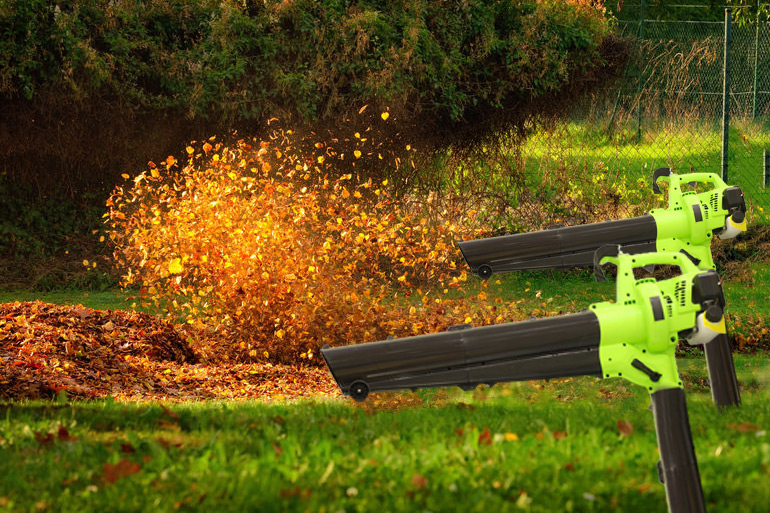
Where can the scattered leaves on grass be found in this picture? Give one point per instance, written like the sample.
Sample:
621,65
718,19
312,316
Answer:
744,427
62,434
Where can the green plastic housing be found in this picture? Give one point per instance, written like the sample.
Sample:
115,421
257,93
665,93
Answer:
639,331
692,218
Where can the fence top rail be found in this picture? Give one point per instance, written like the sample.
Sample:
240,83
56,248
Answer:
684,22
700,6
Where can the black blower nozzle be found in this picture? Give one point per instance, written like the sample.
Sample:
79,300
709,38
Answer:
557,248
554,347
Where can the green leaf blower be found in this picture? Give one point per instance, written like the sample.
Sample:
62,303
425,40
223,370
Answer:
686,226
632,338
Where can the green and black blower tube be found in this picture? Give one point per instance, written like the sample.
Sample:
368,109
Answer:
536,349
633,338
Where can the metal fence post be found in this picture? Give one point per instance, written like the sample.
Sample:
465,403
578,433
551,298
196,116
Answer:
767,167
640,73
726,92
756,63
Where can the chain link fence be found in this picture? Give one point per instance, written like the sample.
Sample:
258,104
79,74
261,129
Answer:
668,110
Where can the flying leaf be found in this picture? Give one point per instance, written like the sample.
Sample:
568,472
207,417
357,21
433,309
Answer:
384,116
175,266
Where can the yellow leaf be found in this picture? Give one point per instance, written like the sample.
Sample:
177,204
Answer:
85,263
190,150
511,437
358,136
125,176
154,172
384,115
357,153
321,159
280,333
175,266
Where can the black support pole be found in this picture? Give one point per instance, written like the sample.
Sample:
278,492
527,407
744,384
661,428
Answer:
724,384
726,92
678,468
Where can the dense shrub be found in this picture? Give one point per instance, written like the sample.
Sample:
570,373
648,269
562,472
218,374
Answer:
232,59
273,253
85,83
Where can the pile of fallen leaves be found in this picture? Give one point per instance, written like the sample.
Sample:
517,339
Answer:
47,350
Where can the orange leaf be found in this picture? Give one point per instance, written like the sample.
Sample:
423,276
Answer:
123,468
485,438
419,481
744,427
625,427
64,435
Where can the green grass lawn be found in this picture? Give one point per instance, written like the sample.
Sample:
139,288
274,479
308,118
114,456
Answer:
584,148
100,300
533,447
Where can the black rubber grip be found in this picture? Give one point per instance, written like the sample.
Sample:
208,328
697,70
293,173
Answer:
724,384
608,250
661,171
678,467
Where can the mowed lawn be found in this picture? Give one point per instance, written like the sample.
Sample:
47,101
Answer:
567,445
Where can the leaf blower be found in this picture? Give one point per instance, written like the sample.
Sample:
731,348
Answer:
632,338
687,226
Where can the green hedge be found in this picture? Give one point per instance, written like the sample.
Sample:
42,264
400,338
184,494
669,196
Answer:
233,60
91,89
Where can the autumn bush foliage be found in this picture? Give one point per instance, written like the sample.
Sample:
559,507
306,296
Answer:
267,252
